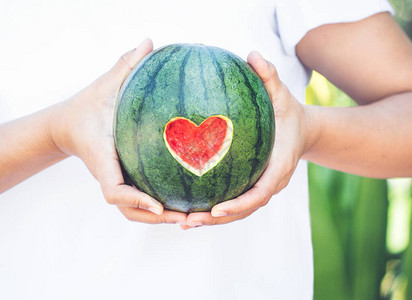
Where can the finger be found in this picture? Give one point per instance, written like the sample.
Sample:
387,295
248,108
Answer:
258,196
186,227
275,177
116,192
266,71
248,202
143,216
128,60
205,218
124,195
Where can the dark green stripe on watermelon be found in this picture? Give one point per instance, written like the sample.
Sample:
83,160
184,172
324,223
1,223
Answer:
194,82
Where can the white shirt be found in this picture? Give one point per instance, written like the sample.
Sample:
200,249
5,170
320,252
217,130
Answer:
58,237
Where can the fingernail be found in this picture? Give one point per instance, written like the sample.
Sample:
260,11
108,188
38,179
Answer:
156,210
194,224
154,206
191,227
142,42
218,213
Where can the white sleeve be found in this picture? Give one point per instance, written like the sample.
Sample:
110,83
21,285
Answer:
296,17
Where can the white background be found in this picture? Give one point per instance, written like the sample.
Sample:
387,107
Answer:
58,237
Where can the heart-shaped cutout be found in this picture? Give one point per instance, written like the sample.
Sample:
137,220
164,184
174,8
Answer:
199,148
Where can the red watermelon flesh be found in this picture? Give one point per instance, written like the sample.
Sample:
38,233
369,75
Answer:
199,148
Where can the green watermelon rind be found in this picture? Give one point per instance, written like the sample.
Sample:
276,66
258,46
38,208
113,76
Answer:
194,82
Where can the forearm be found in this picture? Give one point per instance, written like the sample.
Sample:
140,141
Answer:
27,147
374,140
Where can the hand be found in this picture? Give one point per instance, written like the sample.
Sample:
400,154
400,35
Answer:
83,126
290,144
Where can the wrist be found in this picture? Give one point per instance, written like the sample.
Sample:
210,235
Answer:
57,130
312,129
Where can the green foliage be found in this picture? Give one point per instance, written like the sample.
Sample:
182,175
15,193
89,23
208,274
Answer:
348,231
361,227
360,238
349,217
403,15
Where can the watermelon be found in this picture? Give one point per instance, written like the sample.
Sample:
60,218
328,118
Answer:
193,126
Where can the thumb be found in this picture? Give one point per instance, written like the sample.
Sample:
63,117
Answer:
128,60
266,71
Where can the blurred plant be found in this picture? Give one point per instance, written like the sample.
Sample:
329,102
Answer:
361,227
403,10
349,216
